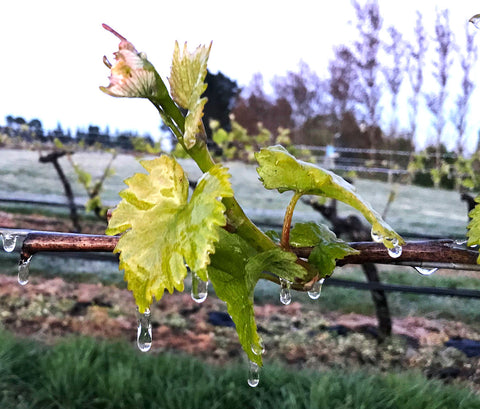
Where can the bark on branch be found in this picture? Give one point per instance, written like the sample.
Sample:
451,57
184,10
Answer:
442,253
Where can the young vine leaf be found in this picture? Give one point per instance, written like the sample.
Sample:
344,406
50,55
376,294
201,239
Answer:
234,271
187,86
327,247
473,232
280,170
162,229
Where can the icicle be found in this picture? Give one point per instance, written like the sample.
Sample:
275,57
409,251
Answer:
316,290
285,296
24,271
9,241
258,349
253,375
426,271
144,331
199,290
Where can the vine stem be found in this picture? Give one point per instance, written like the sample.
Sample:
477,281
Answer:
287,221
432,253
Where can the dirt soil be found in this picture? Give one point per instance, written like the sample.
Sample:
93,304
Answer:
298,334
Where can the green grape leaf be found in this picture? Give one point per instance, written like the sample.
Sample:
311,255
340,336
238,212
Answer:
235,286
327,247
187,84
280,170
162,229
473,227
234,272
276,261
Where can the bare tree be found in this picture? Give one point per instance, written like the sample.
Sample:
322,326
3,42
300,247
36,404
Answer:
445,45
467,59
394,74
416,61
366,48
302,90
343,81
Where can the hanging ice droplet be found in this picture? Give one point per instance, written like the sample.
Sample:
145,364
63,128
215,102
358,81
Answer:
285,296
396,250
376,236
316,290
475,20
199,290
426,271
253,375
9,241
24,271
258,349
144,331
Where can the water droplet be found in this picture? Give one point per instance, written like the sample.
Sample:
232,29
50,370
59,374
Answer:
144,331
475,20
9,241
199,290
460,242
395,252
253,375
258,349
376,236
316,290
24,271
425,271
285,296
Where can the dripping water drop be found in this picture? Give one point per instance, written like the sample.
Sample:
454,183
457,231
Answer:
376,236
316,290
144,331
258,349
285,295
9,241
425,271
24,271
396,250
199,290
253,375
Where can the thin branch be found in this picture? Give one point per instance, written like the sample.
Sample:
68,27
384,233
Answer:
432,253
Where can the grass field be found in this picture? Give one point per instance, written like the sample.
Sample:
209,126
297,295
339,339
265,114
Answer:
88,374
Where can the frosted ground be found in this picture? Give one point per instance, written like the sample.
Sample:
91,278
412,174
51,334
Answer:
415,209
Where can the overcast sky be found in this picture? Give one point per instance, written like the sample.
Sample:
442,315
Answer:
52,51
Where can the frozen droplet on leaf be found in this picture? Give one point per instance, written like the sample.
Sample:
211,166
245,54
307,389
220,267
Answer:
199,290
316,289
426,271
475,20
376,236
24,271
9,241
258,349
285,295
144,331
253,374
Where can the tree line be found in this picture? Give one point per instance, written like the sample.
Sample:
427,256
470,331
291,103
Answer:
373,73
